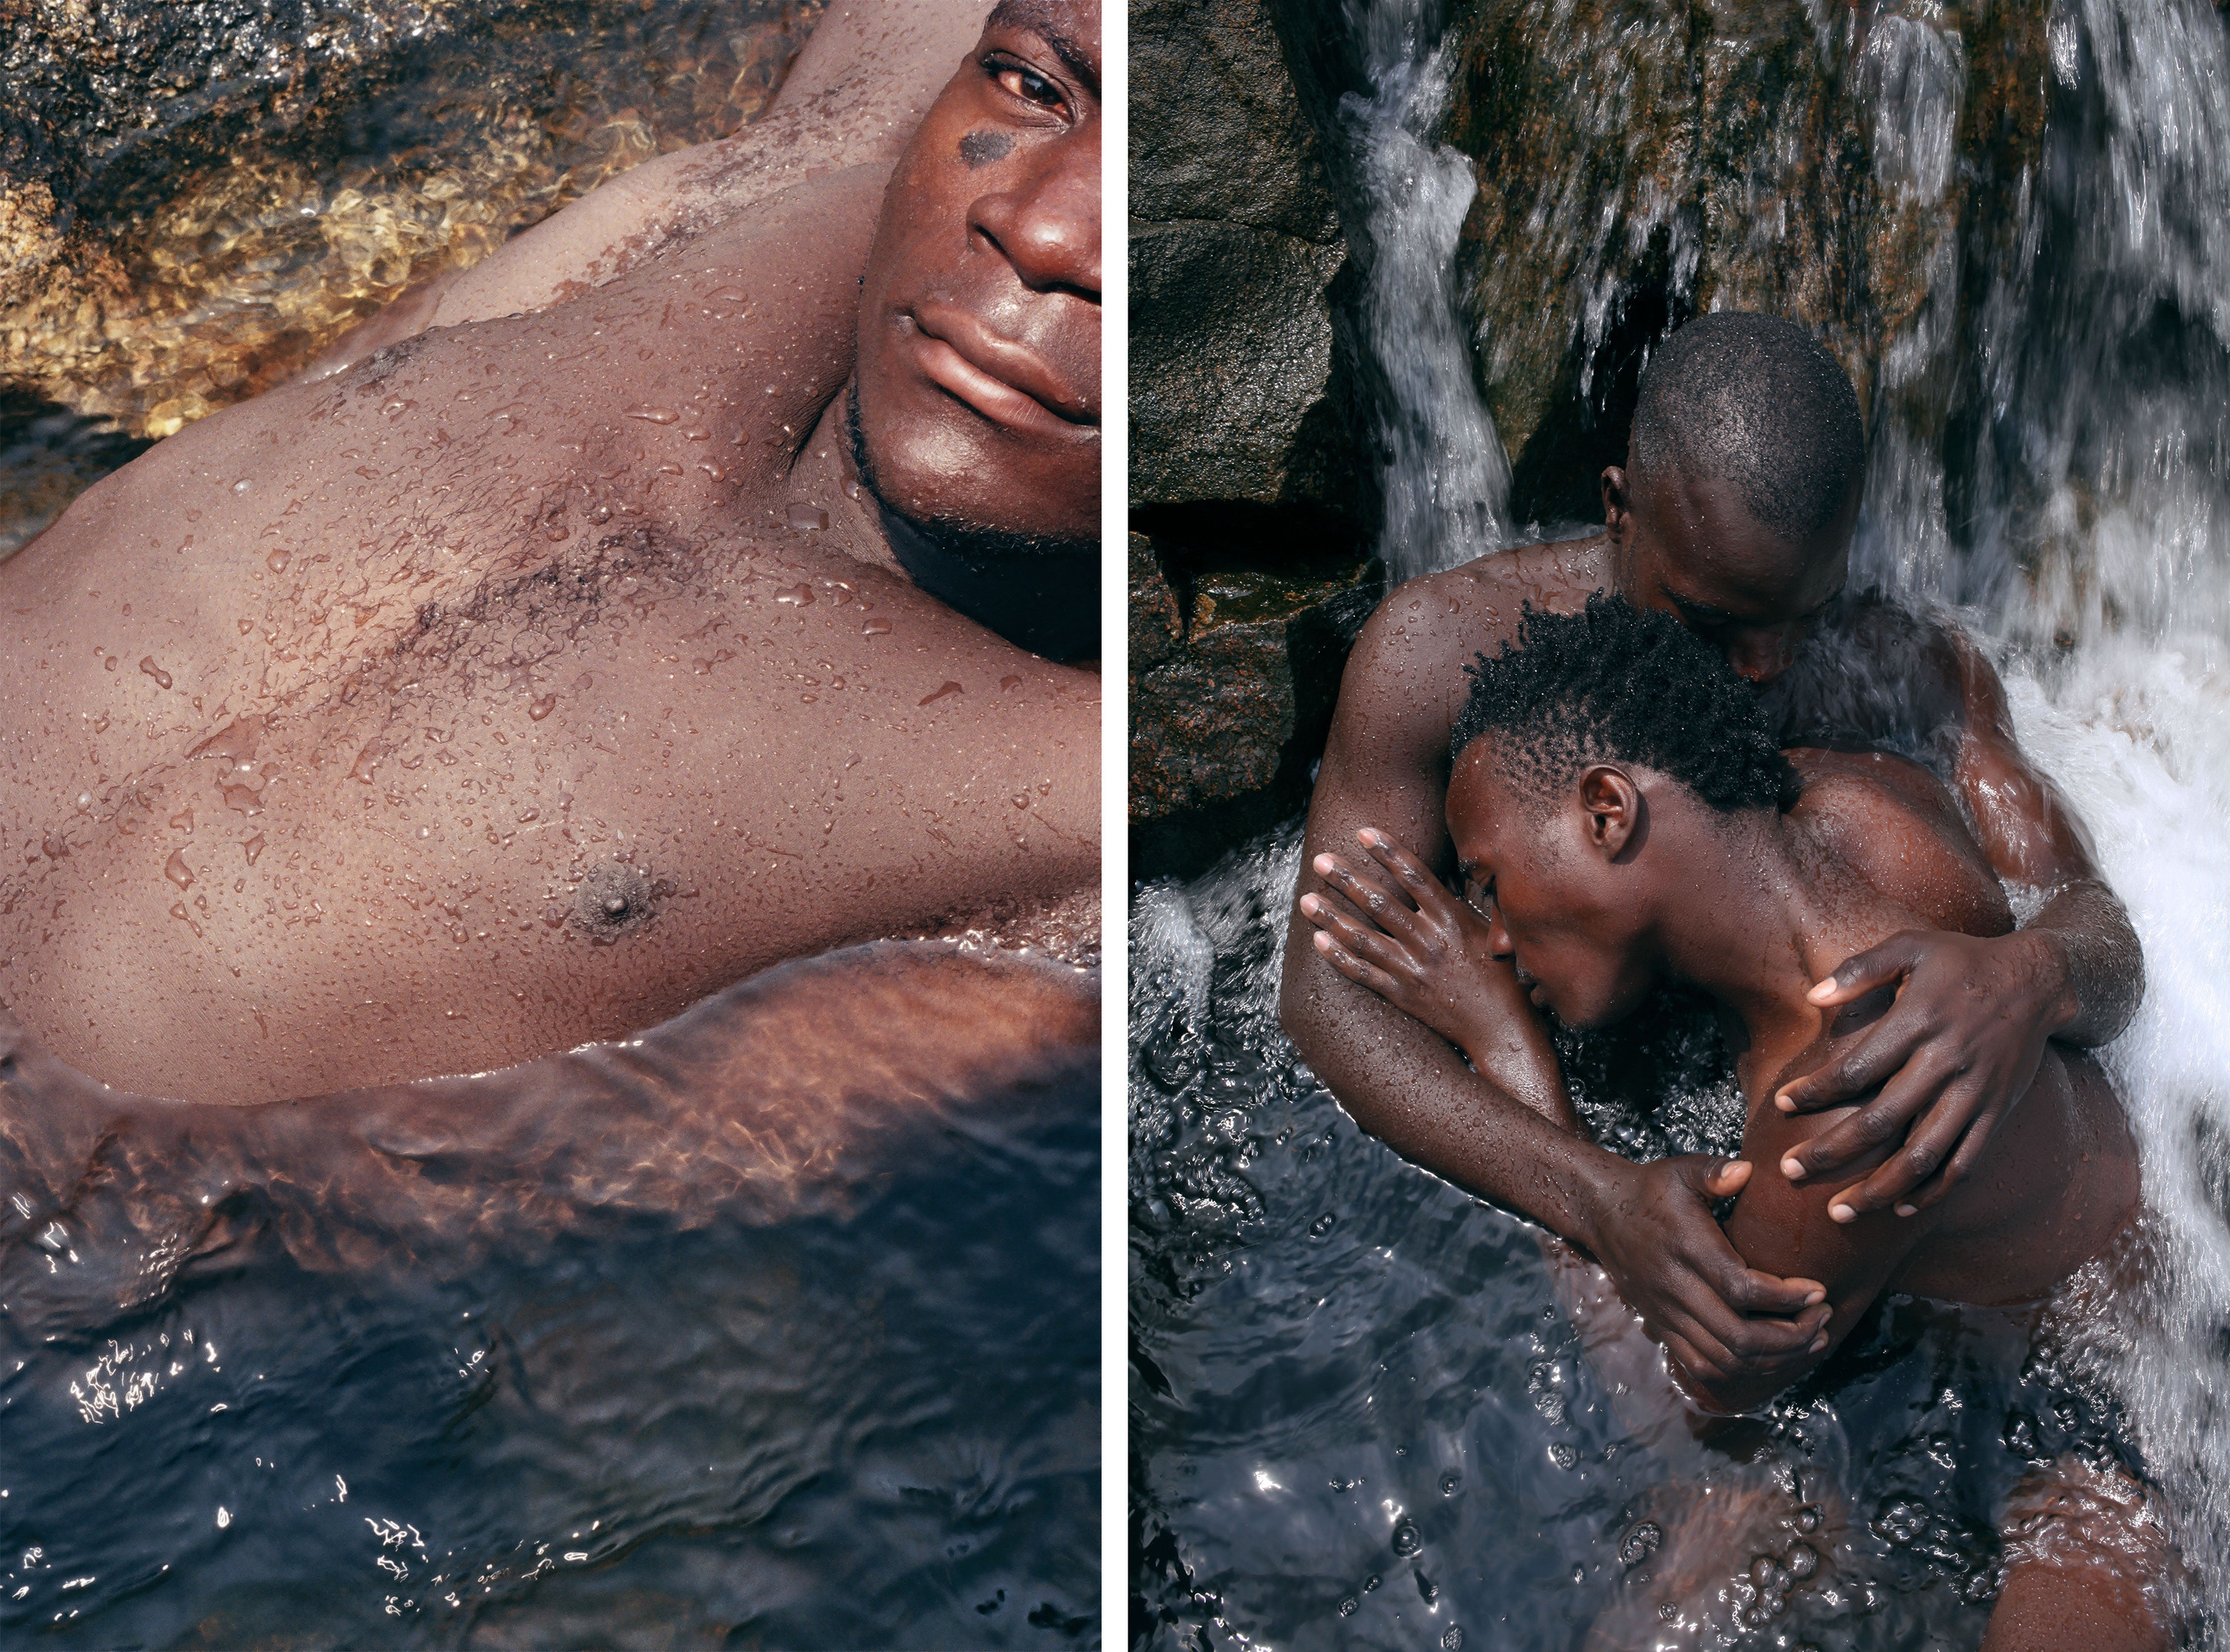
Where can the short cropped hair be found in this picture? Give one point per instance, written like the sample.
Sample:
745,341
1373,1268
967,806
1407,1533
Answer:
1758,402
1617,683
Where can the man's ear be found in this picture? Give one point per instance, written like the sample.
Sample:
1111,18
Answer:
1614,809
1618,503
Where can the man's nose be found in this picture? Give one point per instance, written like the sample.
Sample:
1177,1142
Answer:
1497,936
1047,224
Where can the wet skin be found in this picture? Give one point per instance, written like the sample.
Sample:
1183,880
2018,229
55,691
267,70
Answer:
518,699
1623,881
1970,1022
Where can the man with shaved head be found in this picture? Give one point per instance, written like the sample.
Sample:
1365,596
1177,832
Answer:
519,683
1734,512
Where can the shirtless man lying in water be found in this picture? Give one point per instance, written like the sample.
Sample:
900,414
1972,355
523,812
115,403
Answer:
1734,514
1619,801
534,679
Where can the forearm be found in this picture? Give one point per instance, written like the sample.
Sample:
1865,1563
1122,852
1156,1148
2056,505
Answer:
2096,951
1507,1133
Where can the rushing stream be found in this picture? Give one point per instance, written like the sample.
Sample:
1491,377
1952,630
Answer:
1359,1418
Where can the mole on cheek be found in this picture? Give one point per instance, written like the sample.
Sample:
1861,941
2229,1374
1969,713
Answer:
982,148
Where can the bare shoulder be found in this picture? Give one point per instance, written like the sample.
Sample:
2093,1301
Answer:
1409,661
1896,826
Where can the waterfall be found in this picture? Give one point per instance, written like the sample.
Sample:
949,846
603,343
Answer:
2098,562
1445,477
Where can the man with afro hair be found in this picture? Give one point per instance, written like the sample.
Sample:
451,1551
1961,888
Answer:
1734,514
1620,797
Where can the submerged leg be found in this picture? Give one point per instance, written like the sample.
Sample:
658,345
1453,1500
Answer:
2088,1563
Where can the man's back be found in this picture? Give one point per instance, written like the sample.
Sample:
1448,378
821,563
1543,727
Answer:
503,693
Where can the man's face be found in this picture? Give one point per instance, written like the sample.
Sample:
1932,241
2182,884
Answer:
1565,918
978,388
1689,546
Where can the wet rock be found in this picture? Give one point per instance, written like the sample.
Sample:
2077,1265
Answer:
1241,389
195,198
1855,169
1228,713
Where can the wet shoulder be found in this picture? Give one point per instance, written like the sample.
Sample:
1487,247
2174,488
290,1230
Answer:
1875,674
1409,660
1896,826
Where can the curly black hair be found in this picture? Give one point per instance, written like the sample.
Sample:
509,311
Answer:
1617,683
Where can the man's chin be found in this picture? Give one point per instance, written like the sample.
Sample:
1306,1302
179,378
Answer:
1038,589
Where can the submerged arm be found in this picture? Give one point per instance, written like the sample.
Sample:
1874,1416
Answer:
1973,1013
763,1100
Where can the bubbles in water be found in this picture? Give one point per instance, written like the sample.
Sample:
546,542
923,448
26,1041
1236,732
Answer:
1451,1483
1407,1540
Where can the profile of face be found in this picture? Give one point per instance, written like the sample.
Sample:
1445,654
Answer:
977,396
1688,545
1562,881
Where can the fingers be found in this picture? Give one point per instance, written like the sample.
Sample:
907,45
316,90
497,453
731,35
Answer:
1728,1179
1354,968
1888,1047
1933,1161
1331,914
1365,888
1919,1085
1422,887
1876,966
1749,1291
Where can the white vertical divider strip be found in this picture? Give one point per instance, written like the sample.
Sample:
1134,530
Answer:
1115,838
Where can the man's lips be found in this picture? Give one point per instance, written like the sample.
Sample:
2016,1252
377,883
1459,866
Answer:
1006,382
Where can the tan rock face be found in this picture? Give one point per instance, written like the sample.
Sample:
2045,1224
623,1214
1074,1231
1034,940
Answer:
194,200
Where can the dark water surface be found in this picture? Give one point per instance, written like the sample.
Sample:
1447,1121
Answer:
871,1429
1360,1419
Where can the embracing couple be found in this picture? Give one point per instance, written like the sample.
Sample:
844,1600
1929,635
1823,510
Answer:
1566,733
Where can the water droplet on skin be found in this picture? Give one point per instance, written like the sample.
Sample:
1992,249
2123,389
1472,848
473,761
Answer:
878,627
176,870
1008,685
53,847
367,763
696,432
277,561
109,663
944,692
713,471
242,485
149,668
542,708
242,800
653,415
808,518
178,912
253,846
799,596
84,801
727,295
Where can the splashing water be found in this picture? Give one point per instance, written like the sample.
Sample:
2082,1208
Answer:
1354,1335
1445,478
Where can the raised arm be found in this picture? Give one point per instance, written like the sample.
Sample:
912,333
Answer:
1972,1016
779,1095
852,97
1501,1127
